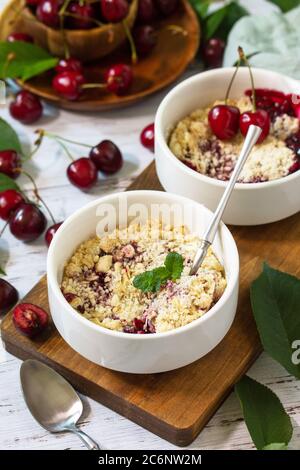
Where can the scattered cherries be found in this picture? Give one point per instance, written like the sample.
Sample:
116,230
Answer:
68,84
213,51
48,12
145,39
30,319
10,162
26,107
13,37
10,200
114,11
119,79
83,14
147,137
28,222
107,157
8,296
82,173
51,231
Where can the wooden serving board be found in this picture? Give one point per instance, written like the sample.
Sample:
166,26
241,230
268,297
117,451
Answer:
175,405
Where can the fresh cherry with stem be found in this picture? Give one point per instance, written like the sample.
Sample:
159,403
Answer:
114,11
119,79
26,107
10,163
69,65
147,137
69,84
213,51
8,296
51,231
48,12
10,200
147,11
107,157
81,15
144,38
258,117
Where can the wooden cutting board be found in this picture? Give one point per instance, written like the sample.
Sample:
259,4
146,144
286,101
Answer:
175,405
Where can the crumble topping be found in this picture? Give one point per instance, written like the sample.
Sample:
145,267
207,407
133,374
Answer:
193,142
98,280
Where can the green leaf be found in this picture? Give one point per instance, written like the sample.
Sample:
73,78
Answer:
214,21
264,415
174,264
151,281
276,446
2,272
286,5
275,299
27,60
201,7
8,138
8,183
221,21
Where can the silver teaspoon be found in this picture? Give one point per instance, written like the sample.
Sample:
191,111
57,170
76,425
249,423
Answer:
52,400
252,137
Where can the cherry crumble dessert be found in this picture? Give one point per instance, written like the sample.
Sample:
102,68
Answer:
194,143
98,280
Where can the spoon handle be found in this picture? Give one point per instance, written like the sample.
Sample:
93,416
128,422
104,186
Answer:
87,440
252,137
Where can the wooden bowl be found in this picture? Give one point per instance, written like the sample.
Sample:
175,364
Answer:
86,45
166,62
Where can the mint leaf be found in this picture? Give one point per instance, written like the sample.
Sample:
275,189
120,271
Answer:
264,415
214,21
275,299
286,5
27,60
221,21
8,183
8,138
174,265
201,7
151,281
276,446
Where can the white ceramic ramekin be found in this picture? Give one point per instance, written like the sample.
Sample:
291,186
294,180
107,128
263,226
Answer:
140,353
250,204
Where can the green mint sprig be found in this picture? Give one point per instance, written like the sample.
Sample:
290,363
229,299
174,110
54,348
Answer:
152,281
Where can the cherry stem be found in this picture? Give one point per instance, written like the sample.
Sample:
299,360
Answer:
243,57
3,229
175,29
64,139
62,30
232,80
80,17
36,193
134,57
93,85
57,139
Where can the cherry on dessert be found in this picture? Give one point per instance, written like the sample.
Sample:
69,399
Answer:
85,12
114,11
30,319
51,232
68,84
69,65
26,107
144,38
224,121
118,79
146,11
166,7
82,173
10,200
259,118
213,51
8,296
48,12
9,163
107,157
295,167
293,143
28,222
12,37
147,137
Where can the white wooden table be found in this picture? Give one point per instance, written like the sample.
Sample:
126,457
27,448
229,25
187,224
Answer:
25,264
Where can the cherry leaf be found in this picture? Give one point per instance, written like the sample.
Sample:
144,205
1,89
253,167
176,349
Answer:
264,415
23,60
8,138
8,183
2,272
286,5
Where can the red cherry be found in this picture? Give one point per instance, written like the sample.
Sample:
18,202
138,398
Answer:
32,3
8,296
48,12
68,84
9,162
167,7
147,137
259,118
144,38
82,173
224,121
107,157
9,202
19,37
118,79
26,107
84,12
30,319
69,65
114,11
27,222
51,232
146,11
295,167
213,51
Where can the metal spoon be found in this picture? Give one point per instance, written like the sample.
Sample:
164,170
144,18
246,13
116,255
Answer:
252,137
52,400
